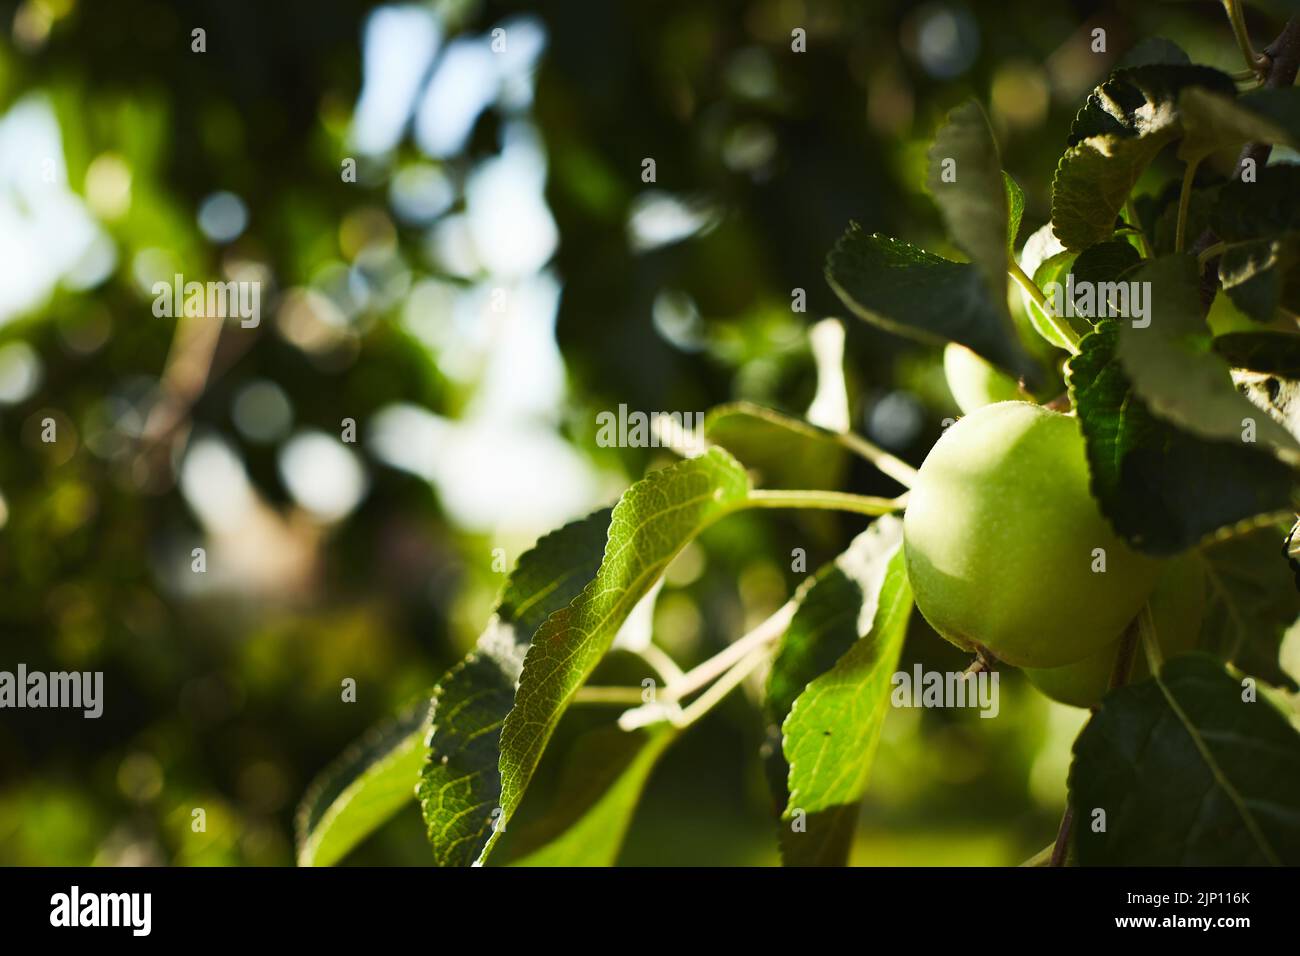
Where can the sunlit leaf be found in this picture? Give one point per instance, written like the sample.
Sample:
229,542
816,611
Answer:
370,781
784,451
836,610
597,797
651,523
460,785
833,727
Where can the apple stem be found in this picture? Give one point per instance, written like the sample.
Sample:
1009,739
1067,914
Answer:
826,501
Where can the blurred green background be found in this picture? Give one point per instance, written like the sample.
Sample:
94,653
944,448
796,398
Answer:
497,274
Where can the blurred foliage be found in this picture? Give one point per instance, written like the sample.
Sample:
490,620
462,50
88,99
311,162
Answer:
226,696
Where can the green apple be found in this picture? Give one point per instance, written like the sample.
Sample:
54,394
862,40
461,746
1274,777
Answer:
1177,609
1005,546
975,383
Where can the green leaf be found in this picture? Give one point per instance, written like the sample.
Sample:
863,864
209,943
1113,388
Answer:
1266,208
1188,774
966,180
1124,124
1162,489
1261,276
1277,397
461,785
1015,213
1213,120
833,727
1251,601
915,293
786,452
1092,184
1279,106
1105,262
368,783
1154,50
597,797
1173,368
1045,260
1273,353
651,523
836,609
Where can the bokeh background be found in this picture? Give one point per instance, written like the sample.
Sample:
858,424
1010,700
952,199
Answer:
125,158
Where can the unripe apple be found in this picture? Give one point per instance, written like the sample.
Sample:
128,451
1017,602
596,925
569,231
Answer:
1177,609
974,382
1005,546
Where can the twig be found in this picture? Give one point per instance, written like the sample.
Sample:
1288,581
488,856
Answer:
1062,847
826,500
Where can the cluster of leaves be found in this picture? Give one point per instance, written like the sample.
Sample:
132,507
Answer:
1189,775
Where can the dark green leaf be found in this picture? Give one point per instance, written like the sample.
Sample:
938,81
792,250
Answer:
1273,353
1280,106
1214,121
1105,262
1161,488
1154,50
1251,600
1267,207
1187,774
974,201
915,293
1261,276
461,785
